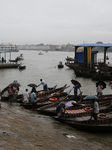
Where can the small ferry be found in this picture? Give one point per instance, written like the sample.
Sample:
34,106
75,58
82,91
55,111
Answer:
40,53
60,65
20,57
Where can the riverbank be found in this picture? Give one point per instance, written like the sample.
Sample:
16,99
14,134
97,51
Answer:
22,129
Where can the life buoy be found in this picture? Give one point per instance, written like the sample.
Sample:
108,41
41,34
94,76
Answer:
102,116
53,99
87,108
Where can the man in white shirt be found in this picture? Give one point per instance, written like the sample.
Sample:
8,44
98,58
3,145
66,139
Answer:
95,110
26,96
99,90
44,85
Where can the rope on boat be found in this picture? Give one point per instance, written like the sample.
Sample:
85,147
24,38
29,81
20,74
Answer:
104,104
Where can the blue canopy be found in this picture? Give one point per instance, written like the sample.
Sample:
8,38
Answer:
90,97
93,45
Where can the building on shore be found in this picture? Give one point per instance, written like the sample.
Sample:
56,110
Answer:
8,47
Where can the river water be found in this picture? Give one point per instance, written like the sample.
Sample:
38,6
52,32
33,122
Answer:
45,67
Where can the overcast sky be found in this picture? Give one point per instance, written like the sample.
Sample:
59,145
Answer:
55,21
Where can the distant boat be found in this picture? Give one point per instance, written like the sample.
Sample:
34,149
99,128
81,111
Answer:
60,65
20,57
21,66
40,53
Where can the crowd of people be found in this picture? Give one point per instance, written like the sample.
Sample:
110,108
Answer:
31,96
95,109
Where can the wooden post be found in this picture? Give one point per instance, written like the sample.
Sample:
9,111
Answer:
10,57
105,49
75,54
5,56
85,57
89,58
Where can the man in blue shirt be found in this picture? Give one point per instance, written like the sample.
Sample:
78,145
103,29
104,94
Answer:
76,89
33,100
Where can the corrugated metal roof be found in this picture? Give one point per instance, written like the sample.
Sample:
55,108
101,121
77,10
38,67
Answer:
93,45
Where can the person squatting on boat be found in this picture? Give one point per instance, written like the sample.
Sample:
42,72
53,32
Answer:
33,100
13,91
95,110
26,96
60,110
10,91
45,87
99,90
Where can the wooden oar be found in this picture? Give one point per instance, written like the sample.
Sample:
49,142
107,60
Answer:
104,104
54,103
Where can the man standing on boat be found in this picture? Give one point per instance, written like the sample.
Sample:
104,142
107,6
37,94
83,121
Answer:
95,110
33,100
2,59
44,85
26,96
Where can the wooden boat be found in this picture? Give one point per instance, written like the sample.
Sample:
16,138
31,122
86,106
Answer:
102,76
60,65
22,67
100,99
51,108
20,57
44,103
84,73
69,59
79,101
72,110
40,53
43,97
5,95
15,60
104,123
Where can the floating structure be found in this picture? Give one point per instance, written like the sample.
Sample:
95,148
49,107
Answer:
7,64
88,57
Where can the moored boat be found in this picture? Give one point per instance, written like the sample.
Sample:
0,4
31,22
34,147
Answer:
21,66
102,76
43,98
5,96
40,53
20,57
72,109
104,123
60,65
